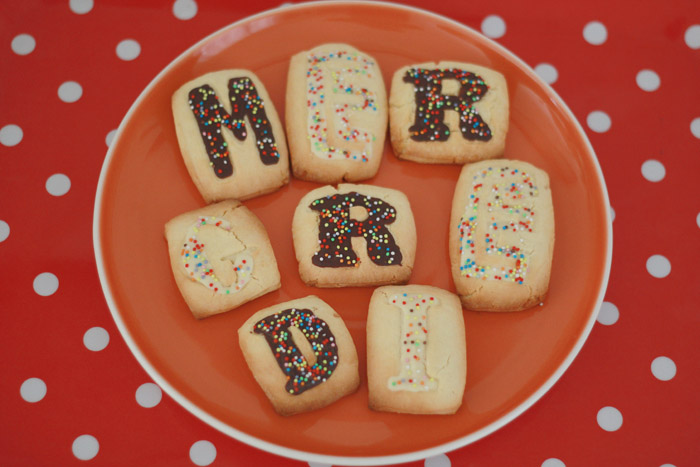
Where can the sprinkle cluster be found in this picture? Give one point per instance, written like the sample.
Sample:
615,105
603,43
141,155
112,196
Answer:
336,228
345,69
508,192
300,375
211,116
414,334
194,259
431,104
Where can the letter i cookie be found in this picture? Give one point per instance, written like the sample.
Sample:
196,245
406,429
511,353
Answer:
448,113
501,235
336,114
416,350
230,137
221,257
354,235
301,354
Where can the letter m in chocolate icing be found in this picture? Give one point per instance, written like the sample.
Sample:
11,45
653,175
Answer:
212,117
431,104
336,228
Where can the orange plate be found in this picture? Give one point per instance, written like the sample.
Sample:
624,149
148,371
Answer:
513,359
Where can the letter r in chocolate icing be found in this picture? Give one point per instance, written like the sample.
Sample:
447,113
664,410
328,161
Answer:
431,104
300,375
336,227
211,117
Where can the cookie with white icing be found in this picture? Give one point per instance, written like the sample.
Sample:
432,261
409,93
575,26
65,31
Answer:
221,257
301,354
354,235
230,136
336,114
501,235
416,350
448,113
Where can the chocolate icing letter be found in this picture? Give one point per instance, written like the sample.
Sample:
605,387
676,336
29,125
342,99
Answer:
300,375
431,104
212,116
336,228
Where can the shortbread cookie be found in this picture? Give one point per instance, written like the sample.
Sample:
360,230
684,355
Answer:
501,235
354,235
336,114
230,136
448,113
221,257
301,354
416,350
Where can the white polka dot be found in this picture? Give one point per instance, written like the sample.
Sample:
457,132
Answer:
553,462
318,464
598,121
697,221
608,314
148,395
595,33
663,368
80,7
110,137
440,460
695,127
612,214
547,72
85,447
609,419
96,339
185,9
653,170
11,135
203,452
23,44
5,229
33,390
128,49
692,36
648,80
493,26
70,91
667,465
58,184
658,266
45,284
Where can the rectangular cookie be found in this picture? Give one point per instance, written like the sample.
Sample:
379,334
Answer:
354,235
501,235
448,113
221,257
336,114
301,354
230,136
416,350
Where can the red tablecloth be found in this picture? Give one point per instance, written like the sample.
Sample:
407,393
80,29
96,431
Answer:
71,389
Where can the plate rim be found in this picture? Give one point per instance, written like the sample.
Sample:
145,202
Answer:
325,458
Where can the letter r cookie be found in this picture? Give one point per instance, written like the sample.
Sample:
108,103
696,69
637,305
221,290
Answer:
448,113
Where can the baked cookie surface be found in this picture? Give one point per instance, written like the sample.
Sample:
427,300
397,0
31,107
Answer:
416,350
230,136
336,114
354,235
448,113
501,235
221,257
301,354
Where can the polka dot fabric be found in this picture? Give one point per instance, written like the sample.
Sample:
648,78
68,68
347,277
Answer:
73,390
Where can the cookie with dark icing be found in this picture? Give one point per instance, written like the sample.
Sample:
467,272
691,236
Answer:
301,354
230,136
448,113
354,235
